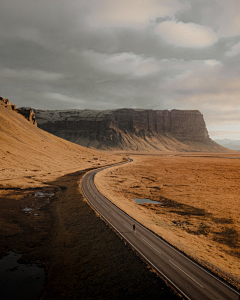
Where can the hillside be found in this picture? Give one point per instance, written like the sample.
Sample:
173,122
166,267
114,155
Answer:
130,129
45,218
29,150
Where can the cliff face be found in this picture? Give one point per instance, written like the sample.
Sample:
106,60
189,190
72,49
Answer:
130,129
27,112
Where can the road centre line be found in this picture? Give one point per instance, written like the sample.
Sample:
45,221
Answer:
186,273
116,217
95,197
104,206
151,245
127,226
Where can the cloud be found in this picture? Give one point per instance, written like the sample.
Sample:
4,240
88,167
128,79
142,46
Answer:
228,18
195,76
188,35
234,51
205,84
212,63
123,63
231,134
134,13
220,15
36,75
63,98
102,54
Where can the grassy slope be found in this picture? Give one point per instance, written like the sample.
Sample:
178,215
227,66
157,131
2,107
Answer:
25,147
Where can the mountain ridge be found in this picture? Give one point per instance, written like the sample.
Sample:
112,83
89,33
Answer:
130,129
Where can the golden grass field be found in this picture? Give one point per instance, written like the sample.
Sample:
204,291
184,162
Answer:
200,195
82,256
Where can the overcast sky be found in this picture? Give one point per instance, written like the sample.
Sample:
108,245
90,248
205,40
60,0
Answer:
105,54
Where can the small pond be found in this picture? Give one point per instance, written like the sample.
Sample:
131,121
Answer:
142,201
20,281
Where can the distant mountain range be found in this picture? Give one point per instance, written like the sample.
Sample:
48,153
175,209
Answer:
228,143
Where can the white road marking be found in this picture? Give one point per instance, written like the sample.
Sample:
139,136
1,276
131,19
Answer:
186,273
116,217
151,246
127,226
104,206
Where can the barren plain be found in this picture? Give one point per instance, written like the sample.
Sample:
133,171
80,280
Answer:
199,210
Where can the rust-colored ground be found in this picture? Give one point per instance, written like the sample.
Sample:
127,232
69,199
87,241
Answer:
44,216
200,195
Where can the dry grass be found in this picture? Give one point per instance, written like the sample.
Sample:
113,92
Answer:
83,257
200,210
28,154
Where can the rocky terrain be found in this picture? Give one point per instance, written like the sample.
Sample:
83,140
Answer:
27,112
130,129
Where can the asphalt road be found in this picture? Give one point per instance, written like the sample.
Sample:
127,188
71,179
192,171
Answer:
190,279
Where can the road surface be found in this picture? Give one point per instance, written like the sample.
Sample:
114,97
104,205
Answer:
190,279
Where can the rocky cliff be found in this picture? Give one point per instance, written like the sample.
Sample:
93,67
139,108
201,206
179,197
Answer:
27,112
130,129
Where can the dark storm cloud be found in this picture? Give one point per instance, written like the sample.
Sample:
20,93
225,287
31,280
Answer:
103,54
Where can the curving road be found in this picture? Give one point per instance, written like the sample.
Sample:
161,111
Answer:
190,279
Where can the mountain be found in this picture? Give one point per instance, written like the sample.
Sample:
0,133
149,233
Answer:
130,129
228,143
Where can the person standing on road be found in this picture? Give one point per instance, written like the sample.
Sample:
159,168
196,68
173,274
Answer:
134,227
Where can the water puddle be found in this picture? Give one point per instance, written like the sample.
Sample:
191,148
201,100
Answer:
143,201
44,194
27,209
20,281
41,199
